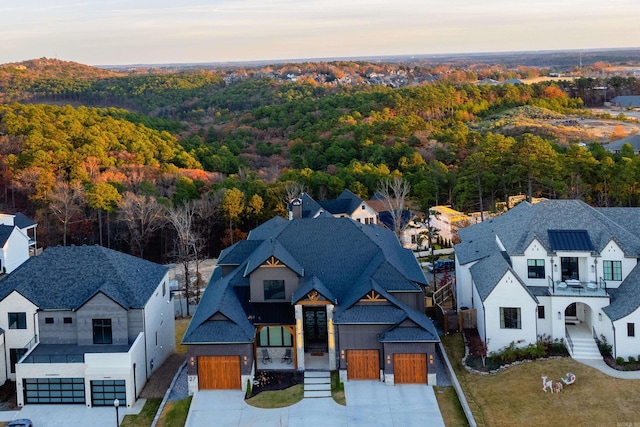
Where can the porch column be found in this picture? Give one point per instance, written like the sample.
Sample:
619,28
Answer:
299,337
331,338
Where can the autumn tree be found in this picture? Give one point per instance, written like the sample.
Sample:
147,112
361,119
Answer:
233,205
103,197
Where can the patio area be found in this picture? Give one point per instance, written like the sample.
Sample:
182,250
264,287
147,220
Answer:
275,359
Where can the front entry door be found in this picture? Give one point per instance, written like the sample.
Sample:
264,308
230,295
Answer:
315,330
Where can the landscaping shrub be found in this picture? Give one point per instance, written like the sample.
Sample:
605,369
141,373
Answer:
632,360
619,361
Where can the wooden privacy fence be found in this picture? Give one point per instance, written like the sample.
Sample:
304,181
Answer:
468,319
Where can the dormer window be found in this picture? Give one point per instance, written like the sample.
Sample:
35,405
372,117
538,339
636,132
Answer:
274,290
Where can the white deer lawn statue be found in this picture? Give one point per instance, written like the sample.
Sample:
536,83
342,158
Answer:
547,384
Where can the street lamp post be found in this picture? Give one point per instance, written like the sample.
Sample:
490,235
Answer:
116,403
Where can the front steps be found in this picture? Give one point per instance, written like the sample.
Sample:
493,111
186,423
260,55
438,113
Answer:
317,384
585,348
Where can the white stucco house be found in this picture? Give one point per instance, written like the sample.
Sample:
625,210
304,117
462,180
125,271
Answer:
84,325
559,268
17,241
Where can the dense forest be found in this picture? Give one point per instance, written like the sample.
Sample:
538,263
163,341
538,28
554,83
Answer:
125,158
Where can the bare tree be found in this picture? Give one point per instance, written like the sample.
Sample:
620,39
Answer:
293,190
186,245
142,215
394,193
66,203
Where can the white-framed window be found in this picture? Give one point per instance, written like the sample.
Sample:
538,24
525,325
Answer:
631,329
612,270
510,318
541,312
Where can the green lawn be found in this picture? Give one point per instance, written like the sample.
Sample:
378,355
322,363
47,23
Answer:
175,414
515,398
146,416
278,398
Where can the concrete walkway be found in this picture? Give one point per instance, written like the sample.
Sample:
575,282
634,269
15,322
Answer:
608,370
369,403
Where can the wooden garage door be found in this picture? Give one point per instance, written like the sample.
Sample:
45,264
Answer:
219,372
363,365
410,368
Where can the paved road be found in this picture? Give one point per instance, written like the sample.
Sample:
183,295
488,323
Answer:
369,403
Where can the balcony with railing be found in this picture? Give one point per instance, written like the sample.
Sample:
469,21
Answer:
573,287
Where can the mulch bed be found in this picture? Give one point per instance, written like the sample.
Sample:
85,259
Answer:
275,380
474,360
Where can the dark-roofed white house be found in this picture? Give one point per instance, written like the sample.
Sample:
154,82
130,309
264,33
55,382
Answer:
313,293
346,205
85,324
17,241
558,268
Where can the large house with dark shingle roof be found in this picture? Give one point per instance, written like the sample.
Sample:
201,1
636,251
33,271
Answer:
559,268
85,324
315,293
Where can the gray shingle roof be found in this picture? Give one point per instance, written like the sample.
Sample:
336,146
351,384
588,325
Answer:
236,254
517,228
380,314
309,284
66,277
626,299
346,203
5,233
22,221
408,334
615,146
341,258
627,100
271,248
220,298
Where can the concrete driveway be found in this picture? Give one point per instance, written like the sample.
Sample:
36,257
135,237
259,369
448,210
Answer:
369,403
74,415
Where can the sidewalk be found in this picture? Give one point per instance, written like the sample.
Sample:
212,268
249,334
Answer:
607,370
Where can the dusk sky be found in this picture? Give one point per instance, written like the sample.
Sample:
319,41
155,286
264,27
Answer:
110,32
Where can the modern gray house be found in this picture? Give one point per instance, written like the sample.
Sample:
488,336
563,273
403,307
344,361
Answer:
313,293
84,324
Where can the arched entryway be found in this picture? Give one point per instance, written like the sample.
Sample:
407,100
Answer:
579,321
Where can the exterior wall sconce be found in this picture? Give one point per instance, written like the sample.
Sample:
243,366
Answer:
559,315
431,359
600,317
555,267
593,268
192,361
341,354
245,360
388,359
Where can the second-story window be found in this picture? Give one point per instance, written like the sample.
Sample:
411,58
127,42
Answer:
274,290
102,331
535,268
612,270
17,320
